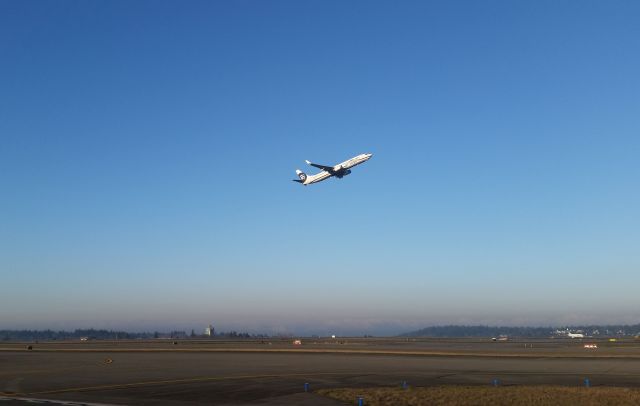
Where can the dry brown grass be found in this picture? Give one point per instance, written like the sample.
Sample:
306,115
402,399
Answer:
487,395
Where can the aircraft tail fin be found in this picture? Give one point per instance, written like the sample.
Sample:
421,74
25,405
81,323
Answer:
302,177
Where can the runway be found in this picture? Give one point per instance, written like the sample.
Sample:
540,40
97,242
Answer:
136,373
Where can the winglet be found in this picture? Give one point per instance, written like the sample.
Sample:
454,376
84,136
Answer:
308,163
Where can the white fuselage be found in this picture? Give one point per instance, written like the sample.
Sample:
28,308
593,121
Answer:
339,170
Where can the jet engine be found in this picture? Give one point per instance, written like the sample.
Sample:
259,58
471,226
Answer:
344,173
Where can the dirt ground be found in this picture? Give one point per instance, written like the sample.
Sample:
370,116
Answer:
487,396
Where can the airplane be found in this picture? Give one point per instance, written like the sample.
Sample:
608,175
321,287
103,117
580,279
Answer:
339,171
575,335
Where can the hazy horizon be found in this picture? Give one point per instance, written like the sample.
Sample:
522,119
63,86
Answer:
147,151
356,326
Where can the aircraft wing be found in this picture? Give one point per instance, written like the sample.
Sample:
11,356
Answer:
323,167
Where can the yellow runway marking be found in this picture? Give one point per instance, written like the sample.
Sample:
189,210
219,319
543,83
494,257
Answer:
49,371
235,377
178,381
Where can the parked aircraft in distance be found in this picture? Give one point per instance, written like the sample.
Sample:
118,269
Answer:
339,171
575,335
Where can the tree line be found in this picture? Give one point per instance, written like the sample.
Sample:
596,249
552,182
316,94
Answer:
101,334
534,332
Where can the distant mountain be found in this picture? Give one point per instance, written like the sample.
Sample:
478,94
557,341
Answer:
493,331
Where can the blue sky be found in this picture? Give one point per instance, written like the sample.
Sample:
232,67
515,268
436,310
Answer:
147,151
